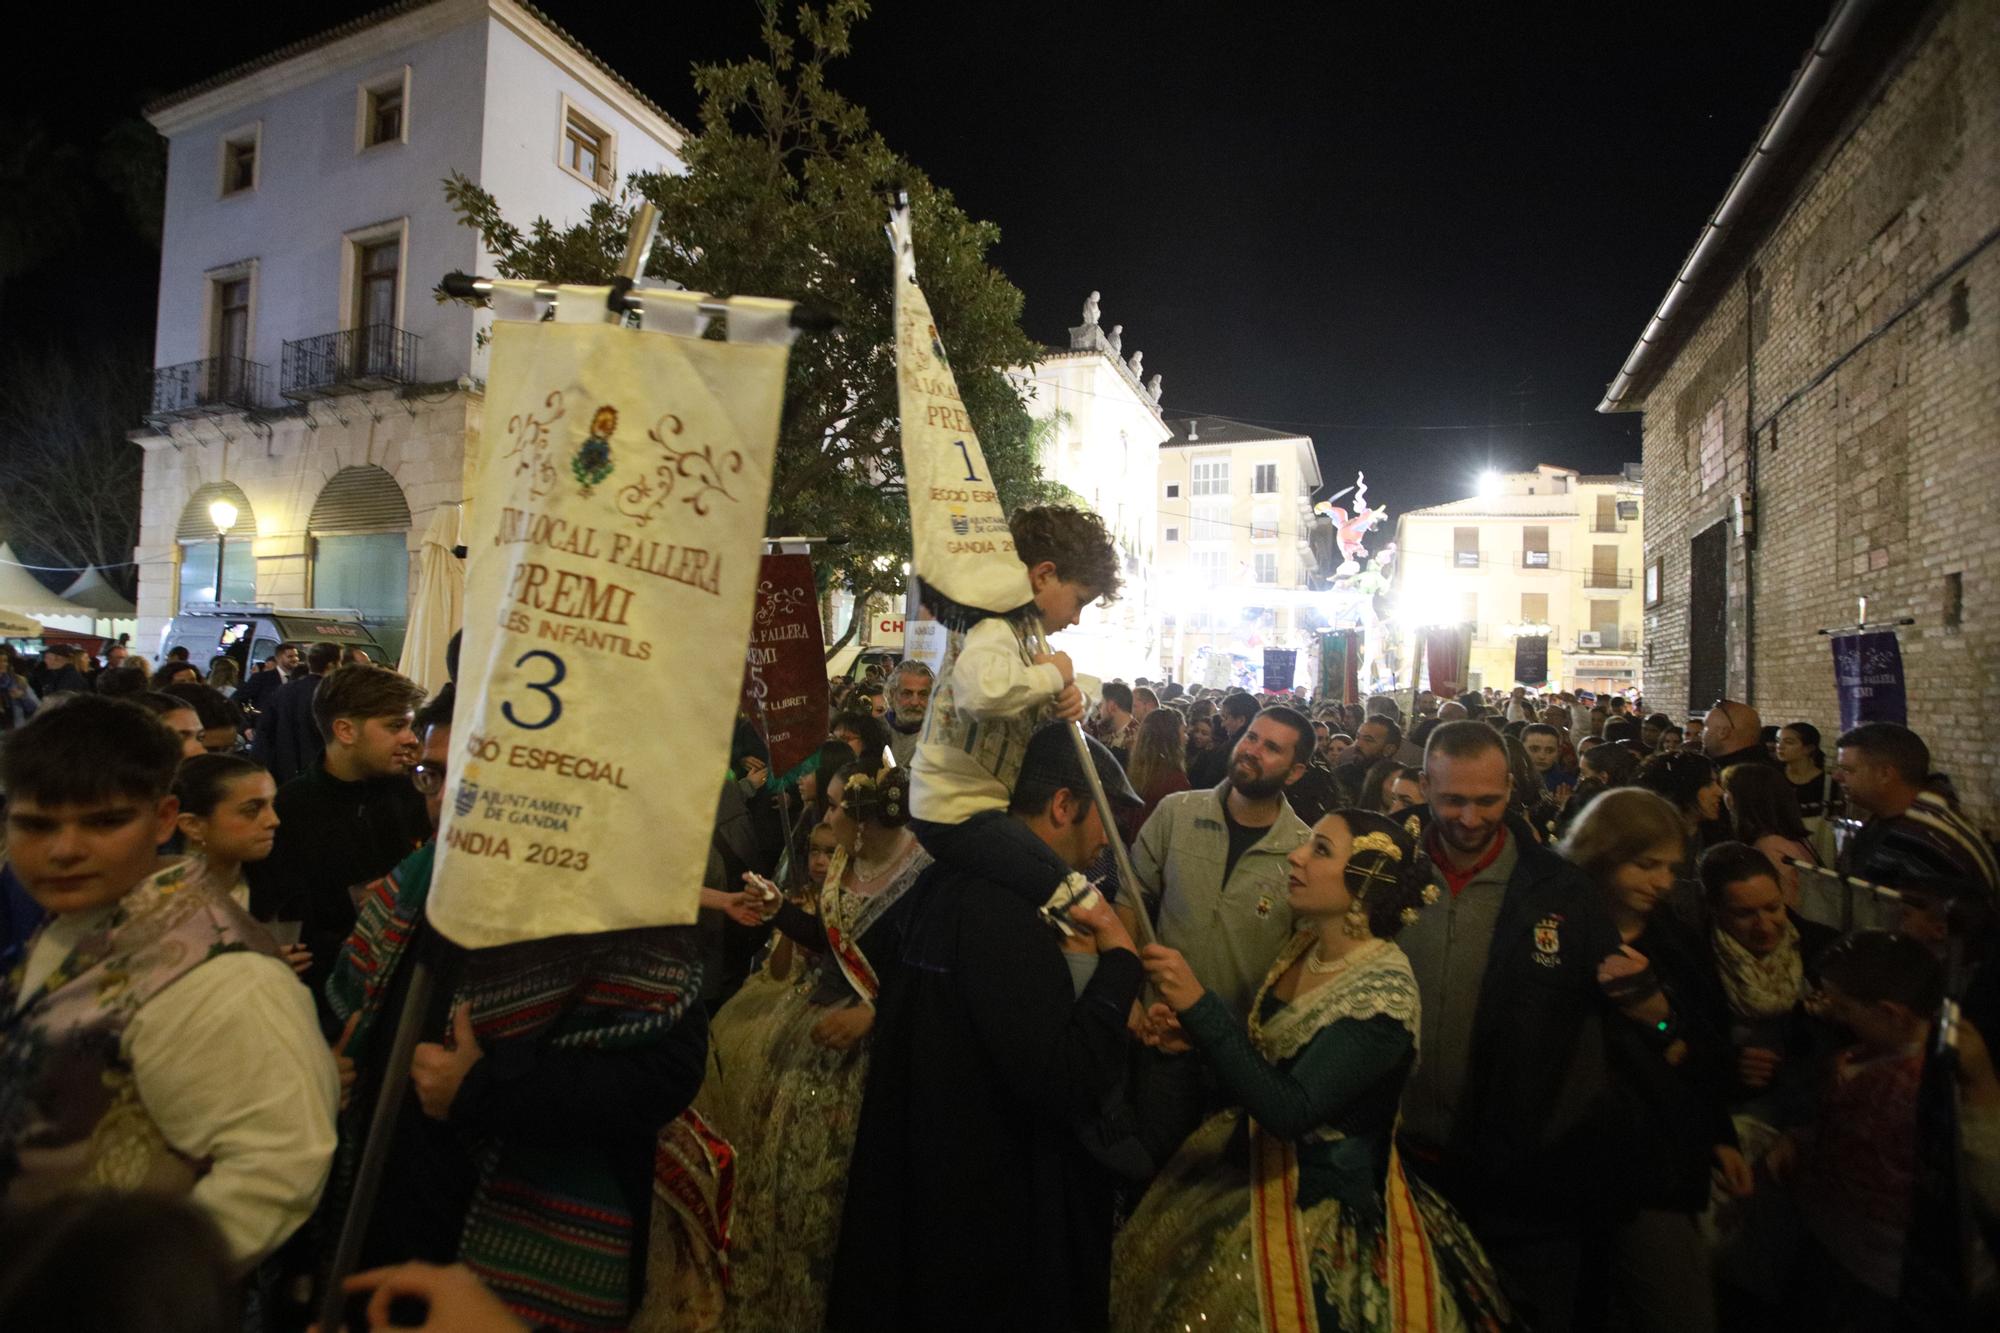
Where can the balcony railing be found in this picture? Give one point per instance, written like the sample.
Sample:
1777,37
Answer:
350,359
217,384
1607,525
1608,641
1599,578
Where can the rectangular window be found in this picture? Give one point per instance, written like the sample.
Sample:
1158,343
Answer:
1604,622
1211,477
1607,514
1208,568
1465,548
1535,548
1264,523
587,150
1604,567
1173,534
232,318
1708,617
1266,566
1173,490
1264,480
239,160
376,272
384,116
1211,521
1534,608
1468,608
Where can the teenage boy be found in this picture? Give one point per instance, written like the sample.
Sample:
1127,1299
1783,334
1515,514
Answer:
152,1038
349,818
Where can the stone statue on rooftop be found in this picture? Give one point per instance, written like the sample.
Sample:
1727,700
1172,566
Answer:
1134,365
1153,387
1117,339
1090,309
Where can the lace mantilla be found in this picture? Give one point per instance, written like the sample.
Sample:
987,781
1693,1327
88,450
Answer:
1379,984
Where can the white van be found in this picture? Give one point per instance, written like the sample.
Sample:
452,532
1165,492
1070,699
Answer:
250,632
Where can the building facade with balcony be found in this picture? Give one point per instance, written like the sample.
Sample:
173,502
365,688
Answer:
1100,435
305,371
1550,552
1232,560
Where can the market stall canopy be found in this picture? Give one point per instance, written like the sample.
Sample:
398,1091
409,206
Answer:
94,591
22,591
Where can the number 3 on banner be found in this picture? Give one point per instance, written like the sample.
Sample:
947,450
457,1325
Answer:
546,688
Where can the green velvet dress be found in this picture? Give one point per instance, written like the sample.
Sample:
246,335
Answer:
1329,1081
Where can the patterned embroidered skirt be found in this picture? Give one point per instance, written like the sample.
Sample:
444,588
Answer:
790,1107
1184,1259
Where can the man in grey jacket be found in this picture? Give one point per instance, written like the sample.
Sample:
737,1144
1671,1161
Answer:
1211,864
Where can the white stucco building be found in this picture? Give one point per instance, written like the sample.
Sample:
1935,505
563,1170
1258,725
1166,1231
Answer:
1235,508
305,372
1101,432
1550,552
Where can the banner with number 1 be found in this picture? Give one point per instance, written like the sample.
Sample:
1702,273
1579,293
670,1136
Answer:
961,545
617,520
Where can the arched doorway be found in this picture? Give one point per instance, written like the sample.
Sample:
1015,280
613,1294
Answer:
360,533
196,536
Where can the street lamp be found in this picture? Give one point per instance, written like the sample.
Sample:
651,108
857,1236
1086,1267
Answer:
223,515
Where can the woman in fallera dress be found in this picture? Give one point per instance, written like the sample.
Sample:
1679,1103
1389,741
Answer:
795,1099
1294,1213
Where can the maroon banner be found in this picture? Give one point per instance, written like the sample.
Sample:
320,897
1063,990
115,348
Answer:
784,678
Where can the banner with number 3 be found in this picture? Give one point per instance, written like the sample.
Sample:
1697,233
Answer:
615,525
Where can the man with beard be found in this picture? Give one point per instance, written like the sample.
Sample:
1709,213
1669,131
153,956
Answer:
1511,966
1211,864
909,704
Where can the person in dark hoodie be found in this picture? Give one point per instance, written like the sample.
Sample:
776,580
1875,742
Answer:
972,1202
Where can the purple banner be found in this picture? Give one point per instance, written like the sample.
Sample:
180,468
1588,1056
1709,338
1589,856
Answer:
1868,671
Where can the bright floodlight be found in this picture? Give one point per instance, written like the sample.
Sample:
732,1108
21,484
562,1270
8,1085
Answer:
223,515
1489,483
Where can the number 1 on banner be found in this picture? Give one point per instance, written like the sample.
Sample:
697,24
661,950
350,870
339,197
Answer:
966,454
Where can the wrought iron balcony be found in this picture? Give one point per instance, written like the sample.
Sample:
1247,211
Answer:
1599,578
195,388
348,361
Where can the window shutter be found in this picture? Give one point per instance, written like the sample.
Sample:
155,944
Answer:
360,499
197,526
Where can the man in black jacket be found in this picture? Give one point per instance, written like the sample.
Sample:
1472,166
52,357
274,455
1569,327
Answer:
288,739
350,818
1507,963
260,687
971,1201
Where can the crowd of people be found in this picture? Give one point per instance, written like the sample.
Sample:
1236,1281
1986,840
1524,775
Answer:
1530,1010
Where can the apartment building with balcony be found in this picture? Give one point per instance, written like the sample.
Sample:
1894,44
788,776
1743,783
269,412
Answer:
305,371
1552,552
1232,561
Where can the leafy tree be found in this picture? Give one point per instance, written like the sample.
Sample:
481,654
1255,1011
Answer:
785,195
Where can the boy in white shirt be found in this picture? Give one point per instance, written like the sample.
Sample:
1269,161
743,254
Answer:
997,687
151,1037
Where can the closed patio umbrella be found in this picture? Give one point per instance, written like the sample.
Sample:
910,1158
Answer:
439,604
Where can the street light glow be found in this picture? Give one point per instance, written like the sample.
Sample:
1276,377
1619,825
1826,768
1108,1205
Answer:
1489,482
222,514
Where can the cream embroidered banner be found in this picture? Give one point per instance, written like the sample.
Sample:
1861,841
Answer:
613,554
962,547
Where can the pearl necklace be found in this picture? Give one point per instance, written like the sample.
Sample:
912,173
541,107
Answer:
1319,968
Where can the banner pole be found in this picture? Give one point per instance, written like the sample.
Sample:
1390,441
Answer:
1128,882
375,1148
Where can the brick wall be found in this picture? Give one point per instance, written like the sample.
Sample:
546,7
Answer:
1884,479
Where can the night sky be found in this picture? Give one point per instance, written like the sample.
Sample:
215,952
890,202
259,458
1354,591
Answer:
1424,235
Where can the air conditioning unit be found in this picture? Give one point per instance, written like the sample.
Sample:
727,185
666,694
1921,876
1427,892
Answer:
1589,639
